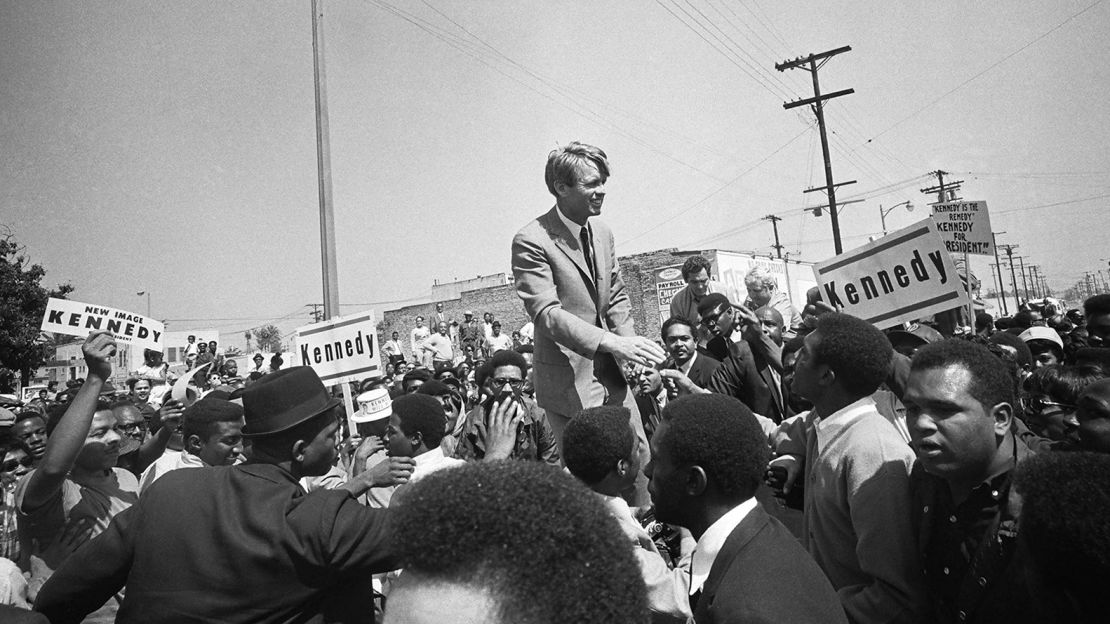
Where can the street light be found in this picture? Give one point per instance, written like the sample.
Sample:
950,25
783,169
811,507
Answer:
883,213
147,293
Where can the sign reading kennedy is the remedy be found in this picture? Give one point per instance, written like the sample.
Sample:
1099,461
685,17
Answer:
340,350
901,277
965,227
74,318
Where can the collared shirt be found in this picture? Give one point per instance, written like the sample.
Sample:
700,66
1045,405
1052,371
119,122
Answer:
713,540
392,347
170,460
426,463
969,550
574,228
685,368
827,427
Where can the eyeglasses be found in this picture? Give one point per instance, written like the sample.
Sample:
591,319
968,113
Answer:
514,383
13,464
710,320
1039,404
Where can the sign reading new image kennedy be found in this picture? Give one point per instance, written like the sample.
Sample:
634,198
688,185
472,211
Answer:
901,277
74,318
340,350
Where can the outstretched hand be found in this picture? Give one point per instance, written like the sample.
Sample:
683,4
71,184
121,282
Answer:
633,349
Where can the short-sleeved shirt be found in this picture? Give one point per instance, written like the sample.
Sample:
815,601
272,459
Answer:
99,499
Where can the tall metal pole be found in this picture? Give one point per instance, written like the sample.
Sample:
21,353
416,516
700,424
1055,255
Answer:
998,268
327,213
1013,276
323,163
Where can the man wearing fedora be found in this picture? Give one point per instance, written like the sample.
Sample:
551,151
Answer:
187,548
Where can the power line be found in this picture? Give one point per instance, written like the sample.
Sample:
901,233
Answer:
1053,205
989,68
715,192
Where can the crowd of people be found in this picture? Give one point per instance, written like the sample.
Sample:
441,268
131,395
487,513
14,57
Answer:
766,464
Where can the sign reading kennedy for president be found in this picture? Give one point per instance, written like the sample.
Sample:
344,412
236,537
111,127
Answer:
965,227
901,277
74,318
342,349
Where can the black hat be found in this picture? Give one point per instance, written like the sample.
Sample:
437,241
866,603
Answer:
283,400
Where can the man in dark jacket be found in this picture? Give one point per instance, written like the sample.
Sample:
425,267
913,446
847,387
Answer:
707,460
242,543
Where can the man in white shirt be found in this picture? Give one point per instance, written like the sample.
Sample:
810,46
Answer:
602,451
416,340
707,462
498,341
393,350
416,427
857,523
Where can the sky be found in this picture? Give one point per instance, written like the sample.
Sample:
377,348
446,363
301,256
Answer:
170,148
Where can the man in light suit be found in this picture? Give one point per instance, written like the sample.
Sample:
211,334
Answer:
566,272
705,471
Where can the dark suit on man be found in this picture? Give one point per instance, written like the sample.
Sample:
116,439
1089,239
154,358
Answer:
229,544
701,371
738,376
763,575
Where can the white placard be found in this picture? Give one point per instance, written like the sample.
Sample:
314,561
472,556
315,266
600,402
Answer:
74,318
342,349
901,277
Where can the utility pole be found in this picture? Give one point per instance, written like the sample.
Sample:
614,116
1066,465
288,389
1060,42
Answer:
316,314
1024,284
774,219
1010,257
998,267
818,103
1036,281
945,192
323,164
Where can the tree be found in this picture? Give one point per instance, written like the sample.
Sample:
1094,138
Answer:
268,338
22,305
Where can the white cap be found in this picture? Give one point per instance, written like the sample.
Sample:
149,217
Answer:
373,405
1042,333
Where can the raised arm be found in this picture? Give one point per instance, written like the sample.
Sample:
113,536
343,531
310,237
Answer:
69,436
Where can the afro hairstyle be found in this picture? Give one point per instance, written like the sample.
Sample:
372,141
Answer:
855,350
1065,506
721,435
991,382
595,440
509,528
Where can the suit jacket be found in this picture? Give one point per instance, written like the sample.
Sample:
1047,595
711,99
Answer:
763,575
702,370
738,376
229,544
572,311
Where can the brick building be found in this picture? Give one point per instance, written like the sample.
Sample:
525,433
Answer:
495,293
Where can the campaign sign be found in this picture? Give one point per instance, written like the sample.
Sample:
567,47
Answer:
342,349
965,227
74,318
901,277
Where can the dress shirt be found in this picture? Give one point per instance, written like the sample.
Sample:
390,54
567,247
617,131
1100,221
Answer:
712,540
574,228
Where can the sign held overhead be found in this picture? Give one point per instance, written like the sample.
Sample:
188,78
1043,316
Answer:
965,227
74,318
900,277
342,349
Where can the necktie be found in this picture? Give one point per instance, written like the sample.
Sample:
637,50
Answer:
587,250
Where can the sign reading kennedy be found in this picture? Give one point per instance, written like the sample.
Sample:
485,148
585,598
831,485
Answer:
340,350
965,227
74,318
900,277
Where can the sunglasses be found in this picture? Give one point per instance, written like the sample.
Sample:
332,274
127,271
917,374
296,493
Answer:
13,464
500,382
1039,404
